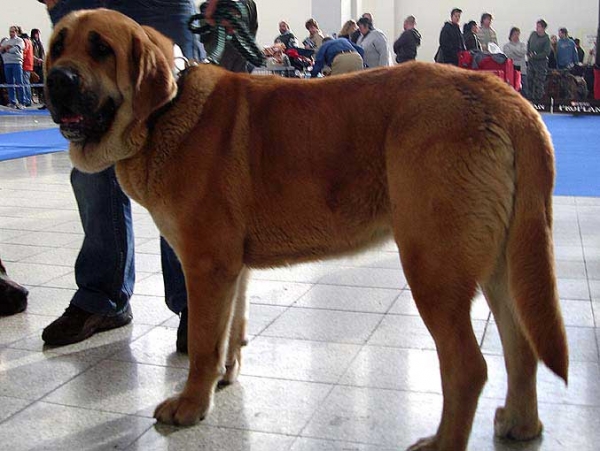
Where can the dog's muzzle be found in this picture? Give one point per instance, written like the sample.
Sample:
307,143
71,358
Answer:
75,108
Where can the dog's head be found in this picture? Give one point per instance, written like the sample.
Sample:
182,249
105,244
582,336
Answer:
105,75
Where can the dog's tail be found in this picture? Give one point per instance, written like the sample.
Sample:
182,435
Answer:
530,254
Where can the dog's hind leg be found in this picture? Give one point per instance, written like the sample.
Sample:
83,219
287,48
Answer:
211,283
518,419
237,332
444,302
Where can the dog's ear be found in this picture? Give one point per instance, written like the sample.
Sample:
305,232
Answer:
152,76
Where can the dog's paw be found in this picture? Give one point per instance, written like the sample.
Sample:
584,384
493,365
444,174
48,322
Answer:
232,371
425,444
510,427
181,411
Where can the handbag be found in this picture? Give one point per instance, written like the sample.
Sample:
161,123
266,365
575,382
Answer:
439,56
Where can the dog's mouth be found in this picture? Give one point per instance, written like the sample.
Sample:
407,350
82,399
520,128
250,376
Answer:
79,111
80,125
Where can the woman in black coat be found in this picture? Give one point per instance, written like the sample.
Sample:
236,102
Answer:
470,36
451,39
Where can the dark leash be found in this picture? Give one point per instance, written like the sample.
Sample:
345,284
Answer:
231,20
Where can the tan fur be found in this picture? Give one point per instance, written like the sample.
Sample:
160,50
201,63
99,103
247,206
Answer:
252,172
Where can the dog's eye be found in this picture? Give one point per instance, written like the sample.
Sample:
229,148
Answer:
57,47
99,49
103,49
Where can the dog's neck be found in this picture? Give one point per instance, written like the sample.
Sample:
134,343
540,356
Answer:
164,130
156,115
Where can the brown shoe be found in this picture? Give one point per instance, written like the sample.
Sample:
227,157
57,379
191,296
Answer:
13,297
76,325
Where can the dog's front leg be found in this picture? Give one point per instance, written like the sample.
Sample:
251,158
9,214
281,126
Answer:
211,288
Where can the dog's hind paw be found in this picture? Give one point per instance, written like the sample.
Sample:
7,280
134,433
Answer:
181,411
511,427
232,371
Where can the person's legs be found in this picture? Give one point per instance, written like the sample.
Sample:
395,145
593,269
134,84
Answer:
533,82
543,74
105,269
171,20
537,72
175,292
39,70
9,72
18,76
26,88
524,86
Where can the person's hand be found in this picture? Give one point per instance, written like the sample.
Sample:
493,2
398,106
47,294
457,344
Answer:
208,13
210,10
49,3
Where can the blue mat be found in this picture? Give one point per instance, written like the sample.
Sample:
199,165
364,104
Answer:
25,112
577,148
26,144
576,143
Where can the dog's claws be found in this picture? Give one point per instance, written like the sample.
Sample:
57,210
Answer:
180,411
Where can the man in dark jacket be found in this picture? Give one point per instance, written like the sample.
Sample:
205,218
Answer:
451,39
406,45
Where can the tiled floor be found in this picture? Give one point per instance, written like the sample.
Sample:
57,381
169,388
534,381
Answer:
339,358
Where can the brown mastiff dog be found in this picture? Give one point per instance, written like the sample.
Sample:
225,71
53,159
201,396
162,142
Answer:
240,171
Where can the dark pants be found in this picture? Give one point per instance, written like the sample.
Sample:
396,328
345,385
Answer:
105,266
536,79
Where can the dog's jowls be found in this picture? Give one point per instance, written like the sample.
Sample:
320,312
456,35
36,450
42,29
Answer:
244,172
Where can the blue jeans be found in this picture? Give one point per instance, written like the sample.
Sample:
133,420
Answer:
105,267
26,88
14,76
167,16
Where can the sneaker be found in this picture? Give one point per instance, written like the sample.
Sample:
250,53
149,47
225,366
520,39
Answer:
182,338
76,325
43,107
19,107
12,105
13,297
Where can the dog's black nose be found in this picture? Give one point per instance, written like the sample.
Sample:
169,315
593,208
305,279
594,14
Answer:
62,83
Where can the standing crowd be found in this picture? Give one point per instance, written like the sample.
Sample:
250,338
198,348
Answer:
21,65
532,58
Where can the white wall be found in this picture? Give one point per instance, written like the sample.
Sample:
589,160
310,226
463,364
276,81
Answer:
579,16
271,12
329,13
26,13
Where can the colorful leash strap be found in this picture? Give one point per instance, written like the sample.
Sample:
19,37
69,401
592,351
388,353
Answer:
235,14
